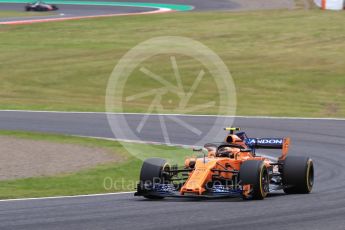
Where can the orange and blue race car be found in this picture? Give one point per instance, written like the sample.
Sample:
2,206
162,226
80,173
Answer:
231,168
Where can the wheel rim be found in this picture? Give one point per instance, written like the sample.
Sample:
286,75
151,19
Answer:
264,183
310,176
164,172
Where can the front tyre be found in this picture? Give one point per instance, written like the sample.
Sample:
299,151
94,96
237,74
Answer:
255,174
153,171
298,175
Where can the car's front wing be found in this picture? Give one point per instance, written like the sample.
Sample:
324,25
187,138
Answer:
168,190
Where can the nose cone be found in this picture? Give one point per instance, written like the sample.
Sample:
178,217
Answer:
199,177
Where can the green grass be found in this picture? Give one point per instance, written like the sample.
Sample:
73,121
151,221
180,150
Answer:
284,63
12,13
121,176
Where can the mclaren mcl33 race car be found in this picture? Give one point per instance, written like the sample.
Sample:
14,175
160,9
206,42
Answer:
229,169
40,6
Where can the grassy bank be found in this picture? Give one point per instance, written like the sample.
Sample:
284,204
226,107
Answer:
114,177
284,63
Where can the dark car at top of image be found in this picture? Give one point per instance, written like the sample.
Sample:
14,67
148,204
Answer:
40,6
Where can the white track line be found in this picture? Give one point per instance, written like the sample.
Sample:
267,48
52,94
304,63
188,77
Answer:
183,115
63,197
30,21
141,142
162,143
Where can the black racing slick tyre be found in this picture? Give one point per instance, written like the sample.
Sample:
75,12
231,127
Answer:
255,174
298,175
152,171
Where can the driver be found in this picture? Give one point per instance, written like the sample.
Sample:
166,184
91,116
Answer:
225,152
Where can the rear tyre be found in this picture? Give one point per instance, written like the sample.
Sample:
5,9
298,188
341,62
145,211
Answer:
152,172
298,175
255,174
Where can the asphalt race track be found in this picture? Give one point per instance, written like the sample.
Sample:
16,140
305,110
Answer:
324,208
80,11
66,11
71,11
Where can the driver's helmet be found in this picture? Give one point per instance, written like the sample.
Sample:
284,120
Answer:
225,152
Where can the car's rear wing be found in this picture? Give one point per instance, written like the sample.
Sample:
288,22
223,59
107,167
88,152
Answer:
270,143
265,143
